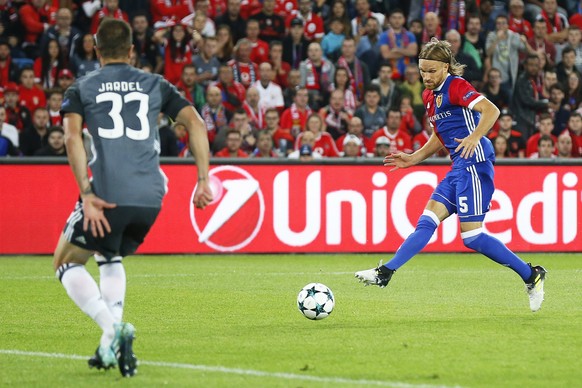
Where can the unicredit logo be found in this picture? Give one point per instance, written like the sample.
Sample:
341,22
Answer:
234,218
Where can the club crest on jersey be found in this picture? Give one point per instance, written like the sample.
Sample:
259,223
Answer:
439,100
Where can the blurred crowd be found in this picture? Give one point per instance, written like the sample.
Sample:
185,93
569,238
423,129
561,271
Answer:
304,79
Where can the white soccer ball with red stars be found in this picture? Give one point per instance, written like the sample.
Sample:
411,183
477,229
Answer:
315,301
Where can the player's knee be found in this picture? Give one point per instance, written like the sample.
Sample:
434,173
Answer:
471,239
67,253
428,220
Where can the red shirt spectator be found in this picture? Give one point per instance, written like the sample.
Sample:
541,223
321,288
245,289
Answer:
167,9
399,140
312,22
233,95
532,144
225,153
109,12
284,7
36,18
324,145
31,96
249,8
367,142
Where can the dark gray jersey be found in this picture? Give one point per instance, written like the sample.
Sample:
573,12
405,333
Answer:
120,106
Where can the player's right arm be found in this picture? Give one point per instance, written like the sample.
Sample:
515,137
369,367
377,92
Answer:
198,138
403,160
93,206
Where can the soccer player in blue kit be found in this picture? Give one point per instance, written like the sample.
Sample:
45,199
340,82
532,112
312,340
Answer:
461,117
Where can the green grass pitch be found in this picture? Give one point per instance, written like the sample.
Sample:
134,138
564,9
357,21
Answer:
231,321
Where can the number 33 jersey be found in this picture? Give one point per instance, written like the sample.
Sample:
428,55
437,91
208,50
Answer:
120,106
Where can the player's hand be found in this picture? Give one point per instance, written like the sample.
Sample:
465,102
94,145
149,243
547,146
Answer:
468,145
94,217
398,160
203,195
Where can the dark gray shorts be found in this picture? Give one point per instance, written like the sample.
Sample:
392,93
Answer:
129,226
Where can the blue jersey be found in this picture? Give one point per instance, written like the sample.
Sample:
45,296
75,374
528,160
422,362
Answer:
449,108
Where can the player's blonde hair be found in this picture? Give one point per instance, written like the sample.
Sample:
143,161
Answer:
440,50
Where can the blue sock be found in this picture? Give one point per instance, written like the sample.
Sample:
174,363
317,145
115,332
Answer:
496,251
416,241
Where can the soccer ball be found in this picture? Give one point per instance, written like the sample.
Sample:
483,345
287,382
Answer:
315,301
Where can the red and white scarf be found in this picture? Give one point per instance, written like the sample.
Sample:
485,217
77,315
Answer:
552,25
313,80
356,78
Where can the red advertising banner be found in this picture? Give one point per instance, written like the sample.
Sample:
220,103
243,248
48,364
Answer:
304,208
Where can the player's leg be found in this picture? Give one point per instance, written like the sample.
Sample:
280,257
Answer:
69,264
439,207
475,191
112,284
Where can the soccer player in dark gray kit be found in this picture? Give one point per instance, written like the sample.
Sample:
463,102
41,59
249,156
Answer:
120,106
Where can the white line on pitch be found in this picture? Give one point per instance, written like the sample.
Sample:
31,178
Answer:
235,371
186,275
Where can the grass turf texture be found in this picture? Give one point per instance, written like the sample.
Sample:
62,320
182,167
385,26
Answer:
444,320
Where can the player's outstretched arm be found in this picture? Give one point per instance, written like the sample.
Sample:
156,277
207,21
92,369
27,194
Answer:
198,138
93,206
489,114
403,160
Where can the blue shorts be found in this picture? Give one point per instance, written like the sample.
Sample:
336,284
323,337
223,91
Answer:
467,191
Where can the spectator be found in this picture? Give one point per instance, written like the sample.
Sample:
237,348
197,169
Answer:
7,148
501,147
549,79
556,23
110,10
332,41
472,73
382,147
55,143
575,42
363,14
259,48
63,32
409,123
295,44
357,70
34,137
526,103
232,19
339,11
206,62
31,95
36,17
540,43
567,66
292,86
271,25
233,146
515,141
352,147
294,118
413,87
254,109
389,92
312,22
270,94
49,64
545,148
177,50
574,93
279,67
193,92
356,128
324,144
85,58
147,51
335,115
503,47
264,146
493,91
16,114
564,146
9,19
575,131
233,93
199,20
239,122
397,44
341,83
545,128
164,10
305,150
170,145
422,138
474,41
399,140
282,138
316,75
55,100
214,113
368,48
283,7
517,23
8,69
9,131
244,70
431,28
372,115
224,45
558,108
65,79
